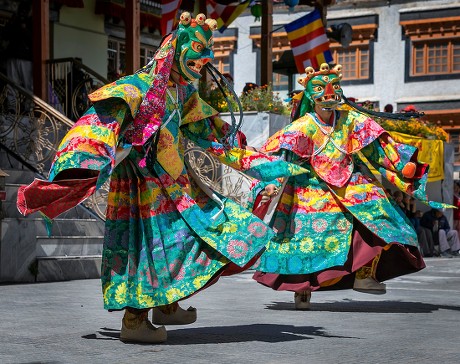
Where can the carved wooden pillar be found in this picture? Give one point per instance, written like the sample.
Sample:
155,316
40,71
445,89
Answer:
41,46
266,76
133,35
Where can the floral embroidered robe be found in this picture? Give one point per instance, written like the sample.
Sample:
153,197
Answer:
165,238
318,211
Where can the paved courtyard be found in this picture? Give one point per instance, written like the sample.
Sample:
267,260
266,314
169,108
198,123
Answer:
240,321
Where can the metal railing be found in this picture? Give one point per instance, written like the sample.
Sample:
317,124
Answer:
70,83
31,130
220,177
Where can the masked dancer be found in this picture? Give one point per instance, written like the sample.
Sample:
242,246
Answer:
167,234
336,227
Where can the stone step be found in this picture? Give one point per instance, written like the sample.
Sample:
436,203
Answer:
19,244
28,254
64,268
60,227
56,246
72,227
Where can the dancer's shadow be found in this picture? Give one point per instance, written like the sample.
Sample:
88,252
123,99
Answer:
366,306
105,333
270,333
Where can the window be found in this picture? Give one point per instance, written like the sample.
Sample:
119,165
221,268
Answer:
356,59
280,82
146,55
432,45
355,62
224,46
454,139
116,58
222,63
434,58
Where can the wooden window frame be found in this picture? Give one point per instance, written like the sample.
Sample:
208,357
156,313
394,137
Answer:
357,50
430,32
363,39
145,50
427,44
223,50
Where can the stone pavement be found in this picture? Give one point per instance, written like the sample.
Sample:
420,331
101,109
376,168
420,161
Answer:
240,321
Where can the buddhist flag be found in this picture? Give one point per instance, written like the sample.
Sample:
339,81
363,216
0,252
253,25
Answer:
168,15
309,42
225,14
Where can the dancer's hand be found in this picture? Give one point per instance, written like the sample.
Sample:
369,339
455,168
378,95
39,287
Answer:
409,169
252,149
269,191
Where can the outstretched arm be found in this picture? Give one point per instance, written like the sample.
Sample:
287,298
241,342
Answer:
207,133
398,163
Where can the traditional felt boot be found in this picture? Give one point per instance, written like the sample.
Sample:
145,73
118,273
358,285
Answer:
365,280
369,285
173,314
136,327
302,300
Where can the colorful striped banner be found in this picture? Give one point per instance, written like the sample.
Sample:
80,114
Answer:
309,42
225,14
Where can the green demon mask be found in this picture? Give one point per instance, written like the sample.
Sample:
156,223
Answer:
322,87
194,43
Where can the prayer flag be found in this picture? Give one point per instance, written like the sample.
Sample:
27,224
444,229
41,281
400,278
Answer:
225,14
309,42
168,15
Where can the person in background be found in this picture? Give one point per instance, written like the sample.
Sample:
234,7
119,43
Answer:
409,108
424,236
249,87
388,108
399,200
436,222
410,209
18,53
457,204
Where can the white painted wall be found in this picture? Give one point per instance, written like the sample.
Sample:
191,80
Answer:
86,40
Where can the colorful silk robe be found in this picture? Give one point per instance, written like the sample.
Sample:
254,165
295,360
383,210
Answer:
165,238
314,217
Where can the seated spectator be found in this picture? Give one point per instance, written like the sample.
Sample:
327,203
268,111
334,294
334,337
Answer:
410,210
398,197
436,222
424,235
457,204
407,205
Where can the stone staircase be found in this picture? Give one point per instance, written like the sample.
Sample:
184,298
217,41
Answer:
28,254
